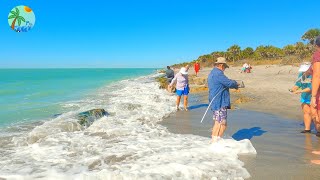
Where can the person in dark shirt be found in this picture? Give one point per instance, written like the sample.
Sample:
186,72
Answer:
169,74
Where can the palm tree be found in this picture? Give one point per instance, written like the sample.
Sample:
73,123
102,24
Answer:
235,51
16,17
310,35
247,52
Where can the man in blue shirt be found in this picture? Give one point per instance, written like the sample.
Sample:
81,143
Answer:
219,94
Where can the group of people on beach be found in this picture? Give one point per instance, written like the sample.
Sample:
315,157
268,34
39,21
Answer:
219,96
246,68
307,84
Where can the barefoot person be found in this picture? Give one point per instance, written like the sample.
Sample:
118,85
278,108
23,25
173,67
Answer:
315,93
219,86
170,76
315,69
182,87
303,87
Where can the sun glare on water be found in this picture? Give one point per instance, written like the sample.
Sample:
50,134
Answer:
27,9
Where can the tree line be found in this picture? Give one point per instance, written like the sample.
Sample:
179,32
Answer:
296,52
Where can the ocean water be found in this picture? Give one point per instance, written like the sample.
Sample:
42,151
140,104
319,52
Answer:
128,144
37,94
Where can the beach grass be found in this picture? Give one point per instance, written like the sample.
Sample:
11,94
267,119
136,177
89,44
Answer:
163,84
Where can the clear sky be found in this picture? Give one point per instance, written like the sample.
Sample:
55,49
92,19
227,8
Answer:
147,33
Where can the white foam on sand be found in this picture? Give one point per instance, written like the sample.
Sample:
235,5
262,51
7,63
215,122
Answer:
128,144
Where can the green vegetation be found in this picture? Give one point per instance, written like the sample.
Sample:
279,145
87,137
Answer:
290,54
310,35
163,82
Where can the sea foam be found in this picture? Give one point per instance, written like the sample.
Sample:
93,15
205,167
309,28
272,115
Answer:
128,144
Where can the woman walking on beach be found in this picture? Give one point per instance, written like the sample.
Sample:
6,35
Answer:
182,87
219,94
303,87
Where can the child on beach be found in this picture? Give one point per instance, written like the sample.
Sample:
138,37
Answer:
182,87
303,87
219,94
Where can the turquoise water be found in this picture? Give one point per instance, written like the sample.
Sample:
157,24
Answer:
34,94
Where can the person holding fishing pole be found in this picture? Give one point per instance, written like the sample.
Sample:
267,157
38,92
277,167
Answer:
219,96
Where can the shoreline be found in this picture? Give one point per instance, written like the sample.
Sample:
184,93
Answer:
282,151
128,143
39,105
264,112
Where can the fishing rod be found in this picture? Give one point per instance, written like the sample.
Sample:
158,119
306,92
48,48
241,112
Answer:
211,103
241,85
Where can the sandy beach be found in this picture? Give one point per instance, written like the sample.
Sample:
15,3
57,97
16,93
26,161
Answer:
266,89
264,112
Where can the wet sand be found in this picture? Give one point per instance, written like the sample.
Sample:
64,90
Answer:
272,120
282,151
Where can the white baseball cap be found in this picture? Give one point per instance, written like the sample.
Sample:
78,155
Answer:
183,70
304,67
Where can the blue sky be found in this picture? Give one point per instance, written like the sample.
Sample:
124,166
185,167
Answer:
147,33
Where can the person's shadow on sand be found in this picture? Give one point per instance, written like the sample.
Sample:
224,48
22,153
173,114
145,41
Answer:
198,106
248,133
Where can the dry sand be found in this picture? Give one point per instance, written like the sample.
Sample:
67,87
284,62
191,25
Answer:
267,87
272,120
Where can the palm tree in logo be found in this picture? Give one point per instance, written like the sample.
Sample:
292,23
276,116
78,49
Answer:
15,15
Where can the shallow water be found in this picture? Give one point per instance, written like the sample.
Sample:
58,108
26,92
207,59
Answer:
128,144
282,151
36,94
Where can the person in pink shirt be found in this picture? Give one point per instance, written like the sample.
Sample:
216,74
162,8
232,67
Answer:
182,85
315,94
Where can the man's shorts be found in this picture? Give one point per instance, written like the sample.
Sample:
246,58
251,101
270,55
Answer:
184,92
220,115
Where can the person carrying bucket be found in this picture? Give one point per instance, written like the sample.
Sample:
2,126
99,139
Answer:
303,87
219,97
182,87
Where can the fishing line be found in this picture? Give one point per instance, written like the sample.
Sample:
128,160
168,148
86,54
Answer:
211,103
